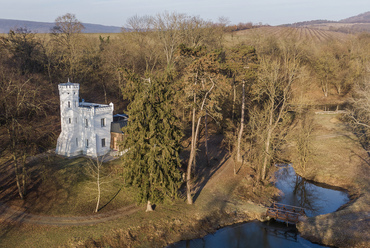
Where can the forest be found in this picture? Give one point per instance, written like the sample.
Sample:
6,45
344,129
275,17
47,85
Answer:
181,79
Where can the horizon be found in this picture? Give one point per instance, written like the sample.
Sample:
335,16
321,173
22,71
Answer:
116,12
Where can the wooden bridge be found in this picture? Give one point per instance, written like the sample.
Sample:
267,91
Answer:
287,213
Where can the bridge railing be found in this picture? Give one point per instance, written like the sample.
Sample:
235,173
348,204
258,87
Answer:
285,212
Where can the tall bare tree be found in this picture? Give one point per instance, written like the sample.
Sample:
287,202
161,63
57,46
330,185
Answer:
66,49
272,93
241,64
20,107
202,87
95,171
143,44
169,28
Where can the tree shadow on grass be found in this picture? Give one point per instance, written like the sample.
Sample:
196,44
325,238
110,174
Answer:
11,221
202,181
365,160
115,195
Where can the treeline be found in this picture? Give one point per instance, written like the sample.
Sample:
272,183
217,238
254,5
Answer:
243,26
248,89
307,23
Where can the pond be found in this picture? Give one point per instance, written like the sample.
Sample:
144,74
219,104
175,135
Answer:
317,199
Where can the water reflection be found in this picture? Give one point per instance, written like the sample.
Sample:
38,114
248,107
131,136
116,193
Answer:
299,192
251,234
295,191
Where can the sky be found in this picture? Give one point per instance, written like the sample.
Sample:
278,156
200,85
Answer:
116,12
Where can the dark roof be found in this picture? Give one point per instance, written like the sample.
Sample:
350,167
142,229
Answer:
116,126
119,117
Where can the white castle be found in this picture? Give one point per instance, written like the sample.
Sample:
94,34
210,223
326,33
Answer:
85,126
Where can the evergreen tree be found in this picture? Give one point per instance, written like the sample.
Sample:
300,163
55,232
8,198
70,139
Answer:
153,142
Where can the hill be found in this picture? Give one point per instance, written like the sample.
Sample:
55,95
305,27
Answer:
361,18
45,27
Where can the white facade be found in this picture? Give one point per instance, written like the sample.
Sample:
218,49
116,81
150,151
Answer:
85,126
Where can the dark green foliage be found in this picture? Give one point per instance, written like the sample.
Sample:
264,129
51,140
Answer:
153,142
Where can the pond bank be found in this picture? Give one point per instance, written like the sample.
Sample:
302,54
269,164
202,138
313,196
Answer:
339,160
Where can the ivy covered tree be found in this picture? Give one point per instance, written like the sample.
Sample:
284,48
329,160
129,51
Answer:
152,138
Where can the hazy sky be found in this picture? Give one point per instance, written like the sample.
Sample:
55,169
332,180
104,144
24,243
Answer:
116,12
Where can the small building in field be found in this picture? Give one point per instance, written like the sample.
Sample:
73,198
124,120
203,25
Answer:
85,127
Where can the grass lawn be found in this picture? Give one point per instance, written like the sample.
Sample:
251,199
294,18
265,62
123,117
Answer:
61,186
26,235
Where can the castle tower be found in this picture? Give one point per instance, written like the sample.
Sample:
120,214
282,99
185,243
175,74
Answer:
85,127
69,141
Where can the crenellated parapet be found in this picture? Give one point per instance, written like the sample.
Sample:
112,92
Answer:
69,86
103,109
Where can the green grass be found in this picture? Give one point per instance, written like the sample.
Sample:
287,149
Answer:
62,187
51,236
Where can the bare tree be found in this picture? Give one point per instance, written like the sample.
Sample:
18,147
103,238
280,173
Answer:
142,40
169,29
66,41
359,114
240,135
202,79
303,138
241,64
19,106
273,92
94,170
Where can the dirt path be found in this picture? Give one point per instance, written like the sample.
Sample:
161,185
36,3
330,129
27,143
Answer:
13,215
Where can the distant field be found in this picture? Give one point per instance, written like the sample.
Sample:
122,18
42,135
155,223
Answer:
303,34
343,27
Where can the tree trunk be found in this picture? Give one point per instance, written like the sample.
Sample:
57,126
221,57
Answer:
24,178
267,154
17,177
192,158
149,207
206,137
234,100
270,129
105,94
192,151
238,157
194,136
98,184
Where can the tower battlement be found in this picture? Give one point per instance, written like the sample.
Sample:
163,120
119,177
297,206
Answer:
69,86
